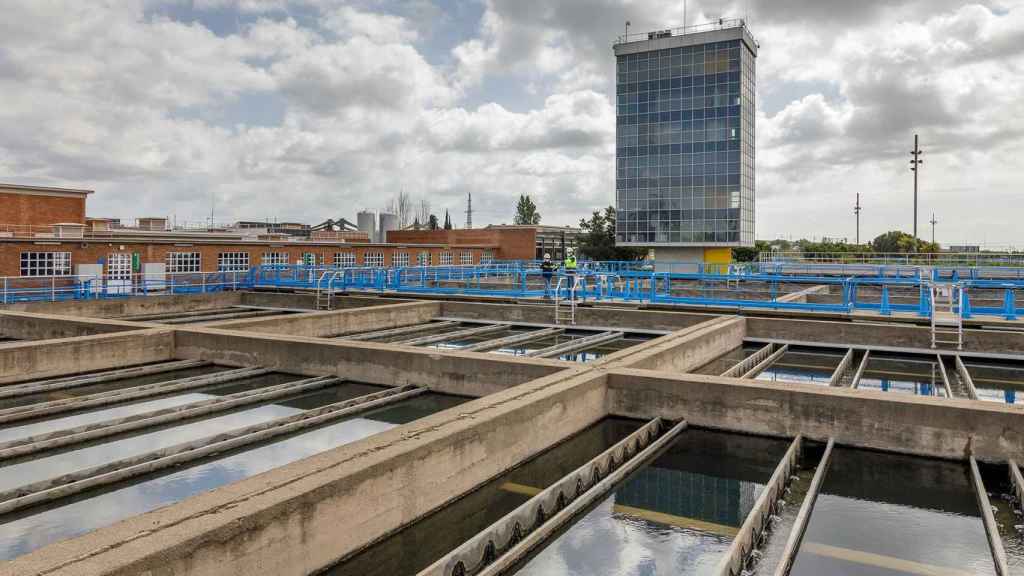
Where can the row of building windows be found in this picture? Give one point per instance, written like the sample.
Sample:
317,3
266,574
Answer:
119,265
654,160
681,237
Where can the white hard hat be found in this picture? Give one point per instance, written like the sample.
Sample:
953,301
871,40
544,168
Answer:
546,255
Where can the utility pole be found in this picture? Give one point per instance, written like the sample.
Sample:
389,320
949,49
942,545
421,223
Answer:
856,210
934,222
915,163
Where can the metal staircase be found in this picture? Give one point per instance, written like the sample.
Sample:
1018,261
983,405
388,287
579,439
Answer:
947,318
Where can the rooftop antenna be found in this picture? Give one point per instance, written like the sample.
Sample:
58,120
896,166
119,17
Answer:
469,210
684,16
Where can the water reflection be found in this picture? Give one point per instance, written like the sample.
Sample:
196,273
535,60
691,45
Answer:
997,382
95,415
109,386
38,527
920,377
676,516
68,461
804,367
889,514
421,544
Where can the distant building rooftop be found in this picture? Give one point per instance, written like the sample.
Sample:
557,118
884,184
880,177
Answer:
42,190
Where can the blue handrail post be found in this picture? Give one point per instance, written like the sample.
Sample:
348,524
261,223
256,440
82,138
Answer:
924,307
965,305
654,288
886,309
1009,305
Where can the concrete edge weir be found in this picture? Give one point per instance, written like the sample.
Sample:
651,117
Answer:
530,336
844,365
15,390
500,537
400,331
764,364
1017,481
221,316
743,366
44,409
860,370
758,520
449,336
995,541
576,345
119,470
796,534
965,377
577,506
70,436
945,376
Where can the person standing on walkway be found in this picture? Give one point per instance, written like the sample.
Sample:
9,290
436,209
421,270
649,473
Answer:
570,271
547,269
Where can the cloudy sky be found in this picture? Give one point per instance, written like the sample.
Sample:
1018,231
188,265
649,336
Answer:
309,109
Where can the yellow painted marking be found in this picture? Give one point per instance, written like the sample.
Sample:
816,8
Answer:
520,489
881,561
678,521
643,514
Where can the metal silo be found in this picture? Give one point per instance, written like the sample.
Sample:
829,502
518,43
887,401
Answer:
388,222
367,222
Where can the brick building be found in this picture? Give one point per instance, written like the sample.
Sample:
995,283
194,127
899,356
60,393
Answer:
505,242
44,232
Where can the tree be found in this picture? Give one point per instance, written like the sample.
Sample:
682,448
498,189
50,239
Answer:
447,221
526,212
416,223
751,254
432,222
424,210
598,239
401,206
896,241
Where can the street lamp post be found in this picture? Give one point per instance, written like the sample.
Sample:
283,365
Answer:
933,222
856,210
915,163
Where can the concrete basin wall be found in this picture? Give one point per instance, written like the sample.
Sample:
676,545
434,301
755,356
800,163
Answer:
35,326
597,315
295,520
467,373
936,427
137,305
335,322
61,357
687,349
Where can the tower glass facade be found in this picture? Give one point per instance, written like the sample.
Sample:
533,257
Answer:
685,140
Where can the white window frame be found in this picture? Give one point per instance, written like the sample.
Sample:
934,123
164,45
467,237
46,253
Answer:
374,259
345,259
184,262
400,259
233,262
312,259
466,258
45,264
119,266
423,258
275,259
446,259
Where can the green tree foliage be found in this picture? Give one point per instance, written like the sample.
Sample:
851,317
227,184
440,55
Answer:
526,212
447,221
750,254
896,241
598,239
432,223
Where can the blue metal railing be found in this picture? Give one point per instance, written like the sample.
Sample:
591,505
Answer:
885,290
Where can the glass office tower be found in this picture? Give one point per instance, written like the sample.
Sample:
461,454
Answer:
685,139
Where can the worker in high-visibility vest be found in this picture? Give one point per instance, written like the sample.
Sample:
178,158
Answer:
570,271
547,269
